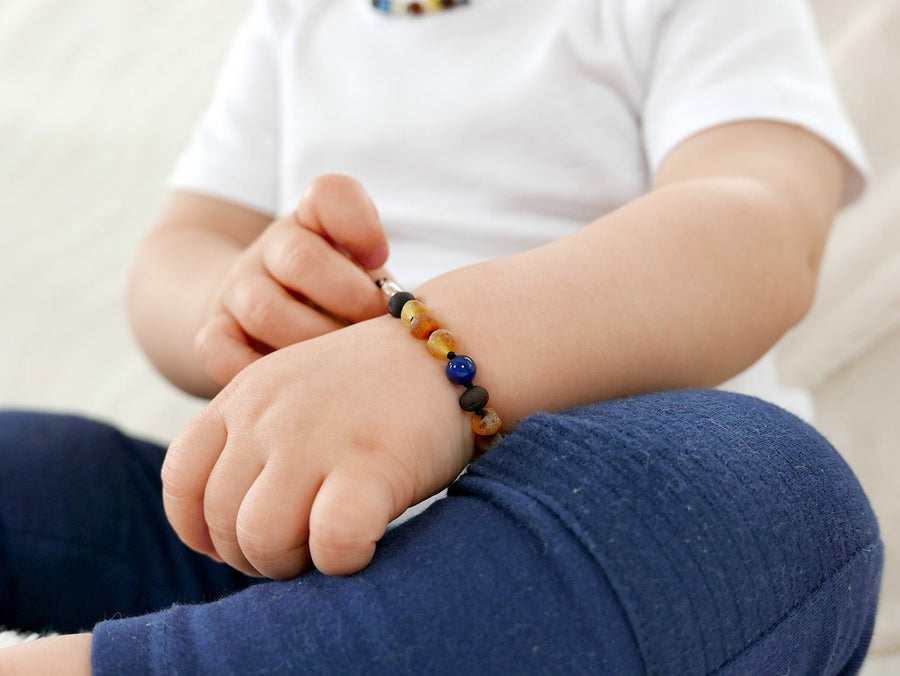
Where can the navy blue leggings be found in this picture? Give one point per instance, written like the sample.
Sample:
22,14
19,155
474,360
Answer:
690,532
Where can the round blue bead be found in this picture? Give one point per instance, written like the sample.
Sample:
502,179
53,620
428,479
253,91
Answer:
461,370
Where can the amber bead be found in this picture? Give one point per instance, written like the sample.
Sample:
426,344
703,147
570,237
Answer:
484,444
410,309
441,343
423,325
487,424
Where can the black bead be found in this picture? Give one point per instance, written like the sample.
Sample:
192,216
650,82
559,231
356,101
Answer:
473,399
397,301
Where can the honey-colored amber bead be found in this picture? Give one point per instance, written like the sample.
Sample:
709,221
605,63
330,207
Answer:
410,309
423,325
487,424
441,343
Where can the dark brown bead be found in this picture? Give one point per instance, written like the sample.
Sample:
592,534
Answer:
473,399
415,8
397,301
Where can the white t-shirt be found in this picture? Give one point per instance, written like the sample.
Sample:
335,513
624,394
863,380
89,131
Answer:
503,124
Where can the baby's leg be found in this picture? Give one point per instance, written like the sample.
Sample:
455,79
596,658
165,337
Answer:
679,533
82,532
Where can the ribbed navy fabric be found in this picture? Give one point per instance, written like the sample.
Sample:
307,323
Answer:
736,538
82,531
692,532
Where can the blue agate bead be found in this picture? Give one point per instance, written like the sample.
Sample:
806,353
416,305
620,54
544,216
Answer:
461,370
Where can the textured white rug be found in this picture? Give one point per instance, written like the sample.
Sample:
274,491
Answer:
10,638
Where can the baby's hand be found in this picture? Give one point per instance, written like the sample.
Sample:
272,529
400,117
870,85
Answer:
309,453
304,276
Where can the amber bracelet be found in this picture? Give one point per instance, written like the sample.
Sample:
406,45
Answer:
460,368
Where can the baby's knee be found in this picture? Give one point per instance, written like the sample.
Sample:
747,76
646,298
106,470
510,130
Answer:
718,453
716,516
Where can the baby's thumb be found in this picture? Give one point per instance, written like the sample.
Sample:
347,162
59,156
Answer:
339,209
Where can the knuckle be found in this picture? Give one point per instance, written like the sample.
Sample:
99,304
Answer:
329,184
204,345
221,528
342,535
292,261
344,544
178,483
358,307
217,351
335,547
170,477
256,312
264,553
260,552
275,554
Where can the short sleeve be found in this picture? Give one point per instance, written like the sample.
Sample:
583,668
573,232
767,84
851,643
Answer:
233,154
716,62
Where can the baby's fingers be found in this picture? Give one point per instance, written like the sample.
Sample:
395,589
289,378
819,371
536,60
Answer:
339,209
273,521
188,464
351,513
222,349
310,266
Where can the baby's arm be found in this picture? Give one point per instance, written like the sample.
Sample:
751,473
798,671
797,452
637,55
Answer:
682,287
57,656
310,452
216,285
685,286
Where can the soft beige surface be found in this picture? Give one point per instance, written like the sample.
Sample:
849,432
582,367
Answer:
98,96
848,350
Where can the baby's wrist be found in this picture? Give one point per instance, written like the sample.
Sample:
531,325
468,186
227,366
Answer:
460,369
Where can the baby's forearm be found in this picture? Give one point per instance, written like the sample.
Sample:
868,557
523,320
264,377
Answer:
68,655
175,273
684,287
